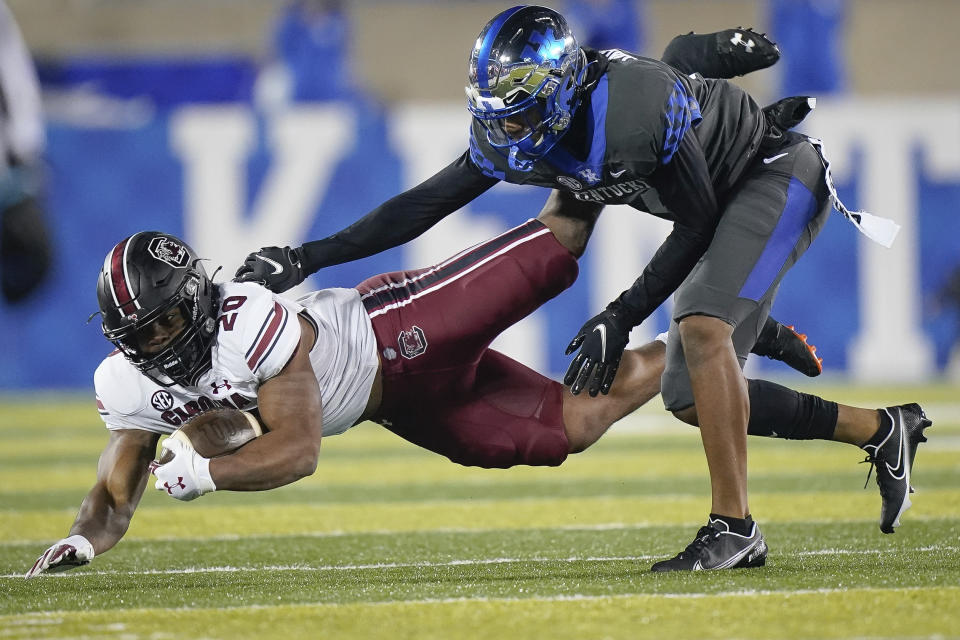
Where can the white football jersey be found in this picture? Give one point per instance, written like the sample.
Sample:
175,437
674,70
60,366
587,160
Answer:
257,334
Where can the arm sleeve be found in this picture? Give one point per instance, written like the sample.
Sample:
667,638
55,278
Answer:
686,190
401,218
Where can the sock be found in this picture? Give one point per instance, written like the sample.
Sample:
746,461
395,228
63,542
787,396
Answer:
741,526
779,412
886,424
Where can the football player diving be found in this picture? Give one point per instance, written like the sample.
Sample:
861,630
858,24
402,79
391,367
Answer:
746,196
409,350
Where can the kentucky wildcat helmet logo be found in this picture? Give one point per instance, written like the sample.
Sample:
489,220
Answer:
169,250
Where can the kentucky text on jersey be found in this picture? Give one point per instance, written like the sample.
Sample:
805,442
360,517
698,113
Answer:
614,192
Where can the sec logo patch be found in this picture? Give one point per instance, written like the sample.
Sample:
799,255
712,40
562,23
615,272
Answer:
161,400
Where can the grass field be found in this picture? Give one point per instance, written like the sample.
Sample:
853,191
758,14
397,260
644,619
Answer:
389,541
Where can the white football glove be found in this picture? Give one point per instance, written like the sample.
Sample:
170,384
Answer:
71,552
187,476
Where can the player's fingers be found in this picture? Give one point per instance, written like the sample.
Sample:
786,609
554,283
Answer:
64,558
609,377
41,564
583,376
598,376
249,276
573,369
574,344
168,445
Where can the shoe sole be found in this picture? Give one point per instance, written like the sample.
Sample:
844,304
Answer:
918,437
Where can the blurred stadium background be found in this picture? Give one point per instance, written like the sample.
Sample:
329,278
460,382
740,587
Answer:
242,123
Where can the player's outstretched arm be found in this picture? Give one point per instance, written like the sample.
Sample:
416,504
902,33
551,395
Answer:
290,409
106,511
395,222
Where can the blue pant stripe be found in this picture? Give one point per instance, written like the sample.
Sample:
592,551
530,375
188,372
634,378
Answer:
798,211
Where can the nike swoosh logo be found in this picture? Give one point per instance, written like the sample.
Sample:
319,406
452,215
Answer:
617,174
277,267
602,328
776,157
903,453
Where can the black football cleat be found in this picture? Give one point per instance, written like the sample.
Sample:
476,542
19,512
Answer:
742,51
893,459
723,54
781,342
716,547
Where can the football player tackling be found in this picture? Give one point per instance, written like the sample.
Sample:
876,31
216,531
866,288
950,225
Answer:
746,196
407,349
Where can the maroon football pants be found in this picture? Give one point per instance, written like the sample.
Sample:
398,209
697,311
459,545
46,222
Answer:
443,388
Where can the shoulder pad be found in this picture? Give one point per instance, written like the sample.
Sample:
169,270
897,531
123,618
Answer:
255,326
119,385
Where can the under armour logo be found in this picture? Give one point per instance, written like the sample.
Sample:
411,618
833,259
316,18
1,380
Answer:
738,39
179,484
217,387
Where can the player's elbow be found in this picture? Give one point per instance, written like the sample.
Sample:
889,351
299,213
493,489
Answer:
305,464
306,456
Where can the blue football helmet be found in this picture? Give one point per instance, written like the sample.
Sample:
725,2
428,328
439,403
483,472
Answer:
525,75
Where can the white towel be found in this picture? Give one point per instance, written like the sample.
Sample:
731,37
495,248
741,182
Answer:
881,230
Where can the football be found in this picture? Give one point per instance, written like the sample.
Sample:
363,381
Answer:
216,432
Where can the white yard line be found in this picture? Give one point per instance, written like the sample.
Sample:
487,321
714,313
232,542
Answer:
56,617
339,533
449,563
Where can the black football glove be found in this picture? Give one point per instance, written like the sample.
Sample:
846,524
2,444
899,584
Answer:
601,342
276,268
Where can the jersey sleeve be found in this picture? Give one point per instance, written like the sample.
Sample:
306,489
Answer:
402,218
119,396
263,334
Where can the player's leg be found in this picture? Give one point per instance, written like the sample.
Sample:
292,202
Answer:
507,415
767,224
889,435
570,220
637,381
433,328
512,415
724,54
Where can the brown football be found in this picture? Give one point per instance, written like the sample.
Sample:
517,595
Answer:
216,432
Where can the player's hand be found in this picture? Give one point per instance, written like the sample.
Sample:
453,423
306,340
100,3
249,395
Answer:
276,268
187,475
601,342
71,552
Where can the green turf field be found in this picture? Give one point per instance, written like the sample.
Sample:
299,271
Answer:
389,541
